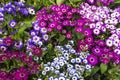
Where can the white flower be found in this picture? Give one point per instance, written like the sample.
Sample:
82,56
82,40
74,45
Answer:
52,68
117,51
109,42
61,78
43,72
114,36
36,27
22,1
72,60
47,69
31,11
112,27
85,61
78,60
116,42
96,31
51,78
74,78
92,25
87,67
118,31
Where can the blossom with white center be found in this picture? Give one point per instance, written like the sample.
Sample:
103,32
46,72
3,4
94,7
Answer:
12,23
40,43
36,39
61,78
109,42
72,60
43,72
45,37
36,27
114,36
92,25
31,11
43,30
47,69
78,60
85,61
117,51
112,27
74,78
87,67
57,71
72,50
96,31
116,42
103,29
51,78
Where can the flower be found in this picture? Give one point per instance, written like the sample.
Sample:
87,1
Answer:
37,51
92,60
21,73
31,10
12,23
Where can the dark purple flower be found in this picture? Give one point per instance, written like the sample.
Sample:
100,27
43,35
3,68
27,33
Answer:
37,51
91,1
12,23
92,60
19,4
8,41
101,43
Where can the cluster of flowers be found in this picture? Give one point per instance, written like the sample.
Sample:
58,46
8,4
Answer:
65,66
14,8
59,18
12,50
102,19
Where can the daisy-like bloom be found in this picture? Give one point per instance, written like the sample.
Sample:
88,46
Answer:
87,32
36,51
116,42
96,31
92,60
109,42
97,51
31,10
12,23
21,73
89,40
52,24
33,33
8,41
68,35
35,39
18,44
43,30
42,24
45,37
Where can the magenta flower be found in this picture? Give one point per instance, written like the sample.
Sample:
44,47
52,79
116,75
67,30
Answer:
97,50
92,60
87,32
8,41
69,35
37,51
21,74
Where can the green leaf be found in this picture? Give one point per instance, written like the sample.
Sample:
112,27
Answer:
59,2
95,70
103,68
62,37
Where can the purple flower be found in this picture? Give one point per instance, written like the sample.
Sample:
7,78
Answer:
42,24
12,23
89,40
101,43
52,24
18,44
43,30
8,41
97,51
24,11
21,74
87,32
37,51
92,60
91,1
